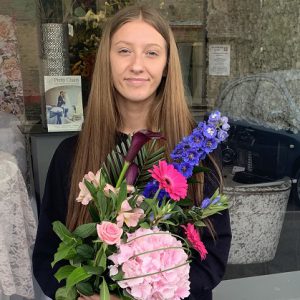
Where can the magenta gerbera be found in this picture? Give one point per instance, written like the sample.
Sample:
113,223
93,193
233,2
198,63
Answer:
169,179
194,238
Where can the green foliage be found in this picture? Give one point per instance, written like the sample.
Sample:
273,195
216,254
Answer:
146,158
64,294
85,230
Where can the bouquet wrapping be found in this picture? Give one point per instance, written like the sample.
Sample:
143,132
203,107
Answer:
145,229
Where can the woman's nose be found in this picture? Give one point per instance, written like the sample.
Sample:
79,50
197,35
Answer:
137,64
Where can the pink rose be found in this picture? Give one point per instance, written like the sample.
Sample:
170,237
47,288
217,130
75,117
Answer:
109,232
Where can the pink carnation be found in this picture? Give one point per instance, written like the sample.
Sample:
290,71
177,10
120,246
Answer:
169,179
135,262
194,238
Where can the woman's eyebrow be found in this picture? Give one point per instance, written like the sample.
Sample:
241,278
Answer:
130,44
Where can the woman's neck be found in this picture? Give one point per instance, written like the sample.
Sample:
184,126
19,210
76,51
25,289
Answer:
134,115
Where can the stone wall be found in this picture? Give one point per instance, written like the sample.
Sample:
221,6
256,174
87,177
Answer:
263,35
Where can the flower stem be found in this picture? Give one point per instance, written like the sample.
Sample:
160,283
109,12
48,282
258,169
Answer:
123,172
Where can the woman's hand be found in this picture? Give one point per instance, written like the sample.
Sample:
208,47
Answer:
97,297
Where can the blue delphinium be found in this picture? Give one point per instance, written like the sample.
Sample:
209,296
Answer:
203,140
193,148
151,188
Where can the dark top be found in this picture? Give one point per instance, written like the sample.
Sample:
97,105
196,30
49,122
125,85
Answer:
60,101
204,275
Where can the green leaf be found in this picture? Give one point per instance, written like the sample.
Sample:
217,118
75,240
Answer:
64,294
64,234
167,222
85,230
92,189
144,225
94,212
102,204
112,164
104,292
148,157
79,12
126,296
118,276
78,275
122,195
200,224
93,270
85,288
63,272
103,260
85,251
64,251
186,202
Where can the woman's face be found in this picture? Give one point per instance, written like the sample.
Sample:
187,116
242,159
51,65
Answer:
138,57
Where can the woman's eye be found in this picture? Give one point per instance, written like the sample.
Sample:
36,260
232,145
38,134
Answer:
124,51
152,53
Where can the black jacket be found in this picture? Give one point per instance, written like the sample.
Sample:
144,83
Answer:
204,275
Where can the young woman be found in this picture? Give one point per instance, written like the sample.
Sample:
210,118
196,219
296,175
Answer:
137,84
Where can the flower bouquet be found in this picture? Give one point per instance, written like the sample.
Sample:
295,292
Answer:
144,227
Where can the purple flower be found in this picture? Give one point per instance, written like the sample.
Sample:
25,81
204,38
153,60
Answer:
203,140
209,131
132,173
224,120
138,140
151,188
192,157
216,200
186,169
209,145
214,117
196,138
222,135
205,203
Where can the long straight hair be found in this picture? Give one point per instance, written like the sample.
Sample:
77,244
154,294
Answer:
169,111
